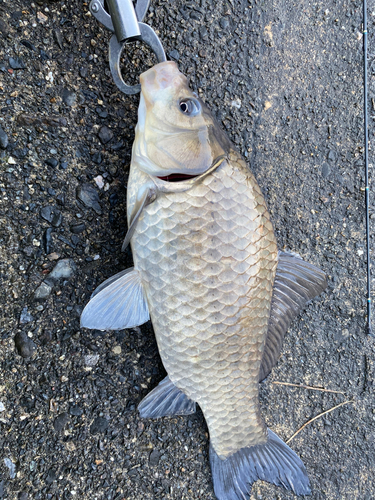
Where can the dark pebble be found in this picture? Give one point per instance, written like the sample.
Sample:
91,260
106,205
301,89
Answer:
51,476
61,421
203,33
101,112
325,170
23,495
76,411
16,63
332,155
83,71
3,139
100,424
58,37
4,29
105,134
52,215
60,198
89,197
47,240
173,54
97,158
78,228
52,162
224,23
24,345
28,45
57,219
69,97
2,486
154,457
44,56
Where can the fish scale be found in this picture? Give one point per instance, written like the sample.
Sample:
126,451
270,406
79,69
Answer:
210,305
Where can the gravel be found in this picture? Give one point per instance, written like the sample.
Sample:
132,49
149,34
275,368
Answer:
285,82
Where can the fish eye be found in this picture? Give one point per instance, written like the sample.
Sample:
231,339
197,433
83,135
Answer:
190,107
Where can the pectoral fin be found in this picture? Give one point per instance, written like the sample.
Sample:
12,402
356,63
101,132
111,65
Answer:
296,283
145,198
117,303
166,400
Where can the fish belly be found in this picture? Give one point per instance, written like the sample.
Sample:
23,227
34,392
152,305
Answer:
208,258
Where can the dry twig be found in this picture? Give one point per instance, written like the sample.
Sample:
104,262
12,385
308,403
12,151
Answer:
308,387
318,416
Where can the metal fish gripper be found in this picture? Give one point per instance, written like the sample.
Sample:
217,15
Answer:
124,20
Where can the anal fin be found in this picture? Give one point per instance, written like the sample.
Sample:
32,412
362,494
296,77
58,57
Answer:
296,283
117,303
166,400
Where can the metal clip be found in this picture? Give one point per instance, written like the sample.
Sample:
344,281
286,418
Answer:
124,20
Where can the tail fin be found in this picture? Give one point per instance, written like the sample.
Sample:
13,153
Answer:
273,462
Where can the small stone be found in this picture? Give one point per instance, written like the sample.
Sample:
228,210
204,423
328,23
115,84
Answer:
11,161
41,17
76,411
236,103
325,170
173,54
99,425
78,228
16,63
51,477
99,181
69,97
63,269
89,197
332,155
25,316
154,457
83,71
61,421
43,291
2,486
28,45
25,346
51,214
58,37
3,139
224,23
2,407
23,495
105,134
116,349
52,162
12,468
53,256
91,359
47,240
97,158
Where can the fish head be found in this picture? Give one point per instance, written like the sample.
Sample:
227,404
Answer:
176,137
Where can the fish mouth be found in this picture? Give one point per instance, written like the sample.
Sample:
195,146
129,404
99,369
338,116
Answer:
177,177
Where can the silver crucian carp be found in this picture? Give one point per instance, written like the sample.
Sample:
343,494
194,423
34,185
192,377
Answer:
208,272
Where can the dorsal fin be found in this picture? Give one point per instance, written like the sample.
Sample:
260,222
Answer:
296,283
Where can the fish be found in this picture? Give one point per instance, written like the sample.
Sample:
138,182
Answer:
208,272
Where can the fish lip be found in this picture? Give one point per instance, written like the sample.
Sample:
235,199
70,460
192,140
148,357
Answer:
183,185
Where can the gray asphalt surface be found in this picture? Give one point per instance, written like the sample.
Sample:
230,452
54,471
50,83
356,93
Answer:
285,80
